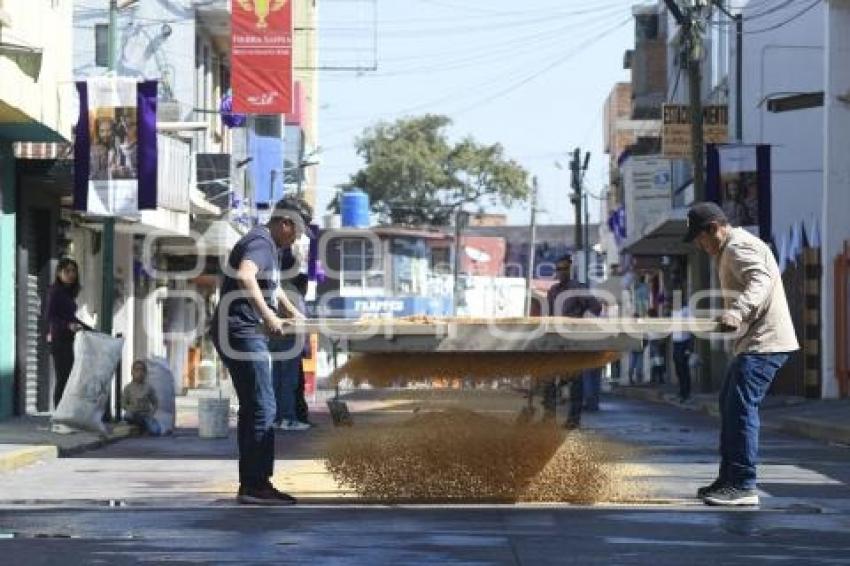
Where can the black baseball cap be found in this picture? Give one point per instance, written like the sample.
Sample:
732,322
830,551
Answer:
700,216
295,208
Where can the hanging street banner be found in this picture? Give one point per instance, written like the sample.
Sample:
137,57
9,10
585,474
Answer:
738,179
261,56
676,128
115,157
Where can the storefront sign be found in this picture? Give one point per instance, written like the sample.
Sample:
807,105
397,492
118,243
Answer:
261,57
648,192
676,130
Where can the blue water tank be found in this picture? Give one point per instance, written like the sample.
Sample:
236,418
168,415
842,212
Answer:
354,208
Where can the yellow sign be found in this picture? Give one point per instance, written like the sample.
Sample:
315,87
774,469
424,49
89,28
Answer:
262,9
676,128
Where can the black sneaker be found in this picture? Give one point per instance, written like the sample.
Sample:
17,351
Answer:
572,424
264,495
732,497
713,486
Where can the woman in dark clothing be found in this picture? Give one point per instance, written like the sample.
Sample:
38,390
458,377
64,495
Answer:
62,322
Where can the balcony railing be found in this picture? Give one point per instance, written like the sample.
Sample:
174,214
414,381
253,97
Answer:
175,173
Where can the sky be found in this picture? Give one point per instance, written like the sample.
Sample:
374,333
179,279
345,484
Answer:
532,76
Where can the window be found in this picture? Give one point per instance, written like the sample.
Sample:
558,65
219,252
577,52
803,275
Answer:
101,45
356,259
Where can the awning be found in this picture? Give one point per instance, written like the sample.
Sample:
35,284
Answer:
217,239
200,205
663,237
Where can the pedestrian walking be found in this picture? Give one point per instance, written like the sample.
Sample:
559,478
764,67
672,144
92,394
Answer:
683,346
242,323
62,323
572,298
139,401
657,354
757,310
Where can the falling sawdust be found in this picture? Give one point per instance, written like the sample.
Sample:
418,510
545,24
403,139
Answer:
463,456
389,369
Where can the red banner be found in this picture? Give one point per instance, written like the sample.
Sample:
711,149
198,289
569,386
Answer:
261,58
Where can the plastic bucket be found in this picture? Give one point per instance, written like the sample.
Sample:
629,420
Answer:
213,417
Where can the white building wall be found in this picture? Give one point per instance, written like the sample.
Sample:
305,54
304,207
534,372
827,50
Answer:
786,60
836,203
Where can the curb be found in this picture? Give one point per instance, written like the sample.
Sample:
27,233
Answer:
797,426
24,456
817,430
119,431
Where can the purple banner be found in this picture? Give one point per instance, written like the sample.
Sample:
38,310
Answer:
115,150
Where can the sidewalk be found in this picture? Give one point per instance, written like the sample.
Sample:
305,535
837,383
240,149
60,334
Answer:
828,421
25,440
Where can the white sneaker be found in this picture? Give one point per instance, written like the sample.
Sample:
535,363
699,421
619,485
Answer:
294,425
61,429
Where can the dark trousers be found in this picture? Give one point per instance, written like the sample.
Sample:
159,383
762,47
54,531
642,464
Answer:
591,388
286,364
252,379
747,381
577,397
658,361
681,353
302,412
62,351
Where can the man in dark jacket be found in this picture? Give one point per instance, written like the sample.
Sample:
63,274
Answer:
244,319
569,297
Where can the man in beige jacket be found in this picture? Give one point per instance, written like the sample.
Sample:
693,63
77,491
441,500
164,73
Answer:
756,309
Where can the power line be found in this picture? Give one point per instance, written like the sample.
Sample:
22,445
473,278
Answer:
796,16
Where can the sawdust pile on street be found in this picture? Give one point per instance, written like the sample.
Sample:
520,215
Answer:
396,369
463,456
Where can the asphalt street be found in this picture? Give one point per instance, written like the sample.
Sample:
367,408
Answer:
149,501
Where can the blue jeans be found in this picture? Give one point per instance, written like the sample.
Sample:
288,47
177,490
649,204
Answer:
252,379
636,367
146,422
286,370
592,379
681,353
747,381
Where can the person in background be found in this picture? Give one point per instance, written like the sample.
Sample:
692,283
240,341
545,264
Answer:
139,401
302,410
657,354
636,362
756,309
62,323
286,362
683,346
578,304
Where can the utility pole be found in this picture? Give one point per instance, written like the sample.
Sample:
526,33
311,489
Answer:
690,24
532,247
460,218
578,170
739,66
107,297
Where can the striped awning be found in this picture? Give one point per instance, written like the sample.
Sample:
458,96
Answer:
43,150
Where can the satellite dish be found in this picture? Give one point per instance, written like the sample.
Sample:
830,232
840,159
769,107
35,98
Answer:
476,254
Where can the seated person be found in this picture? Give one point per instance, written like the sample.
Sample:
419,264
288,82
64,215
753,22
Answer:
139,401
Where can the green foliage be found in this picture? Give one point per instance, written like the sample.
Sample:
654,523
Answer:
415,176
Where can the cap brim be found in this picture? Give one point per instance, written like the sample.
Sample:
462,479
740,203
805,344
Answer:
693,232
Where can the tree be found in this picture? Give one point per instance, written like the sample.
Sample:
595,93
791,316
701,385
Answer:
415,176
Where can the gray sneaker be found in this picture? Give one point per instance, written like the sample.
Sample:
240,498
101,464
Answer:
729,496
713,486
